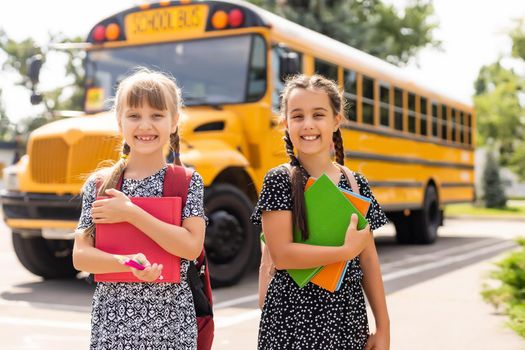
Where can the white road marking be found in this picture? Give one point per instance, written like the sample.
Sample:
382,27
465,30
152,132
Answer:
80,326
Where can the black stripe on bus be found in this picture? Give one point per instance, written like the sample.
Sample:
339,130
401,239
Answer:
396,184
400,206
457,184
406,160
391,134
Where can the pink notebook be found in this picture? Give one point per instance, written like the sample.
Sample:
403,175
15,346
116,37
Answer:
125,239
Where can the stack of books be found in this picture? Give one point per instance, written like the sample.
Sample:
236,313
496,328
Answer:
328,212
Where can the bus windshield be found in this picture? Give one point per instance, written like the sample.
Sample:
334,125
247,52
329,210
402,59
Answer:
209,71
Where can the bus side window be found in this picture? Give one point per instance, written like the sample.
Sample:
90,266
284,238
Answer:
326,69
411,113
444,122
350,85
278,81
435,119
423,116
368,100
461,127
454,119
398,109
384,104
469,128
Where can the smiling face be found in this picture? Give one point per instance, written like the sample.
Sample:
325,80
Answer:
146,129
311,121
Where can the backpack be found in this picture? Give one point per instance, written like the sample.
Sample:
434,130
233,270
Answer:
176,184
267,268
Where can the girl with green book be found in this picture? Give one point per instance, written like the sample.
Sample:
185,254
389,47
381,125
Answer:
311,317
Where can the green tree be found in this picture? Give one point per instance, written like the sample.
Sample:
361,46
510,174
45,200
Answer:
67,97
368,25
499,110
493,188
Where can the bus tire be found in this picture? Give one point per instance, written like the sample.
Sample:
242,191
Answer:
404,234
232,241
426,221
48,259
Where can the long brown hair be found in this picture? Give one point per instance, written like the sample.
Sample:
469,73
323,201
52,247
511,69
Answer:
297,173
144,86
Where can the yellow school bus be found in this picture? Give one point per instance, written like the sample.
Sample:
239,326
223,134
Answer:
229,57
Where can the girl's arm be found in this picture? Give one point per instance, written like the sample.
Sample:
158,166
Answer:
375,293
277,228
185,241
90,259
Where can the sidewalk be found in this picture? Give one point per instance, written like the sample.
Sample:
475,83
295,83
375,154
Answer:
443,313
448,313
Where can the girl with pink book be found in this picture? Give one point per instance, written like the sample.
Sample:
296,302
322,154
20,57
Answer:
143,314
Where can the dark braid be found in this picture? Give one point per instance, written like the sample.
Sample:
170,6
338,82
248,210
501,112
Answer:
339,149
175,147
298,179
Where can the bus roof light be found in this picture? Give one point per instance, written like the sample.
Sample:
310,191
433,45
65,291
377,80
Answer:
236,18
99,33
112,31
219,20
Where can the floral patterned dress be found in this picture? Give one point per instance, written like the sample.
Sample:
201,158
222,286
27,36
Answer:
144,315
311,317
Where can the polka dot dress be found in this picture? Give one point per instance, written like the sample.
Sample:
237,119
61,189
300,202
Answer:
311,317
144,315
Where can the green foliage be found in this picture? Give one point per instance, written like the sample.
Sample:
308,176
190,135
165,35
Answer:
493,189
368,25
67,97
499,110
510,294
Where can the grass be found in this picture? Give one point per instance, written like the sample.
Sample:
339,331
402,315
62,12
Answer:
514,208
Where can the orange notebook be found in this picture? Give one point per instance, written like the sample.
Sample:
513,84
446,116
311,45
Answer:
124,239
330,276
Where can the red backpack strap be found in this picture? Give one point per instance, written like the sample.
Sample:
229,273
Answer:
177,182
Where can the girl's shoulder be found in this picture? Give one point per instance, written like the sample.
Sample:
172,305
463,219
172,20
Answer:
278,175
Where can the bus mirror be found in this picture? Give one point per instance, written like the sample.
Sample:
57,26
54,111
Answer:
289,64
33,71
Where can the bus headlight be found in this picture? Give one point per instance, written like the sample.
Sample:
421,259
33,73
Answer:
11,178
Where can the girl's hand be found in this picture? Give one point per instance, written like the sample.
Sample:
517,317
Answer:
115,209
378,341
356,240
150,273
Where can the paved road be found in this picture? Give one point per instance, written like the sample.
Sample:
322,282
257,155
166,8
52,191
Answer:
38,314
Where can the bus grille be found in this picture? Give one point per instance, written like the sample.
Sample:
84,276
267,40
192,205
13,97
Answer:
53,161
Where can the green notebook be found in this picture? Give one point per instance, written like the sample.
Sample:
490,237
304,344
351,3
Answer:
328,214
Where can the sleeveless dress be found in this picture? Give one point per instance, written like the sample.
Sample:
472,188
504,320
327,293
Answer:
144,315
311,317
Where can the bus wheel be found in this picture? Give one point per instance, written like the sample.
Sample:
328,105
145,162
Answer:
49,259
426,221
403,228
232,243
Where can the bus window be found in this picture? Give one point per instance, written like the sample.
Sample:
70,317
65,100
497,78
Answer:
411,113
278,81
368,100
350,78
257,72
435,119
462,127
398,109
328,70
384,104
469,129
444,122
454,122
424,119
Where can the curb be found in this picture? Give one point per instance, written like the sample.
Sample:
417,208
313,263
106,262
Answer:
485,217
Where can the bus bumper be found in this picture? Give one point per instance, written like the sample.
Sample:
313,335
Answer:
36,214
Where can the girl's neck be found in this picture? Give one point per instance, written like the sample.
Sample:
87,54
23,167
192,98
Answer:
316,164
140,166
